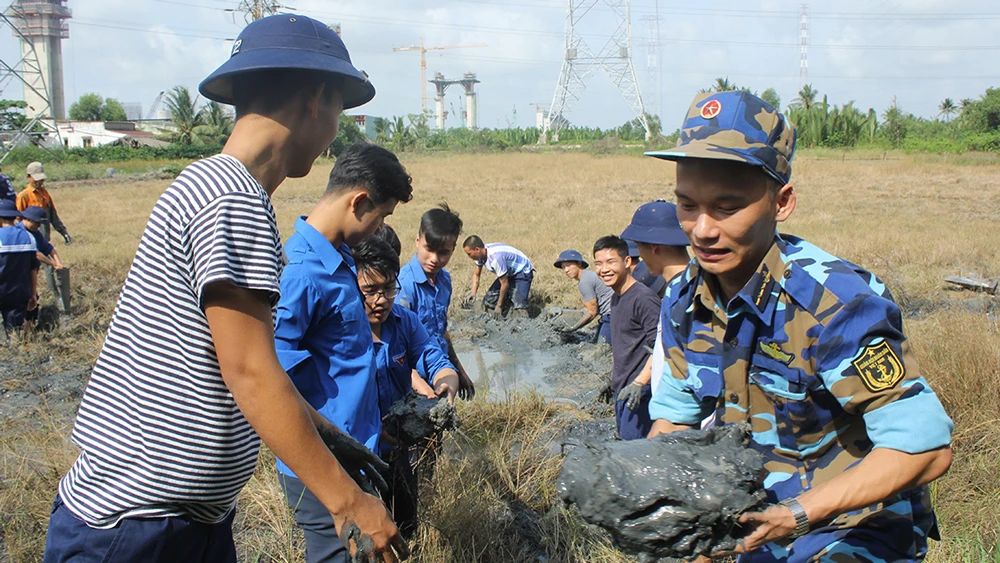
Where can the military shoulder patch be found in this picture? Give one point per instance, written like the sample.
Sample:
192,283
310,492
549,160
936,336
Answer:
879,367
773,351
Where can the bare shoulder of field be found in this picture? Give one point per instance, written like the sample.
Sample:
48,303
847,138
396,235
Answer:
911,221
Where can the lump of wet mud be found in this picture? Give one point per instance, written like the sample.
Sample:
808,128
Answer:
677,495
414,418
579,432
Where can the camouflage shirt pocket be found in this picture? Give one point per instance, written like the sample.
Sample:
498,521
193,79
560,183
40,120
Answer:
784,397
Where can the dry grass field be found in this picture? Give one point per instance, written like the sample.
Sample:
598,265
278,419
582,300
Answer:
910,219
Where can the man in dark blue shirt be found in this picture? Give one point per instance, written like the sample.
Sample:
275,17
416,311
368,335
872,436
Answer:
7,188
321,334
403,351
18,269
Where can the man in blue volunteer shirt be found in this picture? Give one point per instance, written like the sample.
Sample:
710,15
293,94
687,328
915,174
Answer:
513,270
321,334
402,348
18,270
810,350
425,284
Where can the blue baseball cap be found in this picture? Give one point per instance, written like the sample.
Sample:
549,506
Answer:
36,214
736,126
656,223
289,42
570,256
8,210
633,248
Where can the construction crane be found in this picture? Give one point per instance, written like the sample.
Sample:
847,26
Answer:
423,63
156,105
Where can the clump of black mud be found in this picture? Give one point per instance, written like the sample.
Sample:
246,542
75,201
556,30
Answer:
674,496
415,418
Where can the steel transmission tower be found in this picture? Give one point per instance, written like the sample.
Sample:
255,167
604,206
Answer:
652,96
579,62
257,9
34,73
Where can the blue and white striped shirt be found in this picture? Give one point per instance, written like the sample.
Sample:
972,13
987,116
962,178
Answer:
159,432
505,260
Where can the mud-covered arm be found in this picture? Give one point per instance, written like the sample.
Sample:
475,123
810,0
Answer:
589,314
504,285
240,323
476,273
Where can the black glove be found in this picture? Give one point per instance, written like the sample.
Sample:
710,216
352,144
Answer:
632,395
606,394
68,239
360,463
466,389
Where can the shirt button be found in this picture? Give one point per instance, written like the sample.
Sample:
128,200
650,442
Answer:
787,274
734,398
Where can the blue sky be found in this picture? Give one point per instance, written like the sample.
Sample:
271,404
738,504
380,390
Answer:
869,51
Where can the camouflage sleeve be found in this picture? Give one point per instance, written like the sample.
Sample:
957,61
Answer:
674,399
864,360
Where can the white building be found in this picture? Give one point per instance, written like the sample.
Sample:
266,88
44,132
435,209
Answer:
83,134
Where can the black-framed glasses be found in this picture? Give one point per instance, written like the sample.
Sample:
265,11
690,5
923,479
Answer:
390,292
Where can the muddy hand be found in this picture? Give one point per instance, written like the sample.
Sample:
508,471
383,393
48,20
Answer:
361,464
631,395
469,300
466,389
369,534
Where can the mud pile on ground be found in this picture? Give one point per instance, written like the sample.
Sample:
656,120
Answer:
414,418
677,495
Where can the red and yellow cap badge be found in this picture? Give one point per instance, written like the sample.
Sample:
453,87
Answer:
711,109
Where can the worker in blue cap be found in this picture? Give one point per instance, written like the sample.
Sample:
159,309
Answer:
188,381
18,270
595,294
662,244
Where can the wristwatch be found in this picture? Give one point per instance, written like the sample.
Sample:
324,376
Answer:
801,518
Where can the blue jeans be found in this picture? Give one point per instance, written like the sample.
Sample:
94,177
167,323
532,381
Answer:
634,425
603,331
323,545
517,291
152,540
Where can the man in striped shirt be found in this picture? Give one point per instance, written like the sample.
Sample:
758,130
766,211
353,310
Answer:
188,380
513,271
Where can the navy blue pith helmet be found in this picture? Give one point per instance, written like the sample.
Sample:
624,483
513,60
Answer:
570,256
656,223
289,42
633,248
8,210
36,214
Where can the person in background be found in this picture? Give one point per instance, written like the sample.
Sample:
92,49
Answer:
634,313
512,268
426,285
402,348
18,270
769,330
662,245
35,195
32,220
321,333
188,382
7,188
641,271
595,294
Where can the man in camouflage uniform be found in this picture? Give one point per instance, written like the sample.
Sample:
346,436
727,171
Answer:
806,347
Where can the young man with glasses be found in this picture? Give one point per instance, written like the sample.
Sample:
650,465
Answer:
404,351
321,334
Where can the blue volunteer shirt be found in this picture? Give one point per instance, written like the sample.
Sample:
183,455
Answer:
44,246
17,260
323,338
405,346
430,301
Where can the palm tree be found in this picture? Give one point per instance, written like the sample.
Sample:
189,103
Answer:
723,85
807,96
948,109
184,113
217,124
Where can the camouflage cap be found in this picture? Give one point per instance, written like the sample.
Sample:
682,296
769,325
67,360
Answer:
736,126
